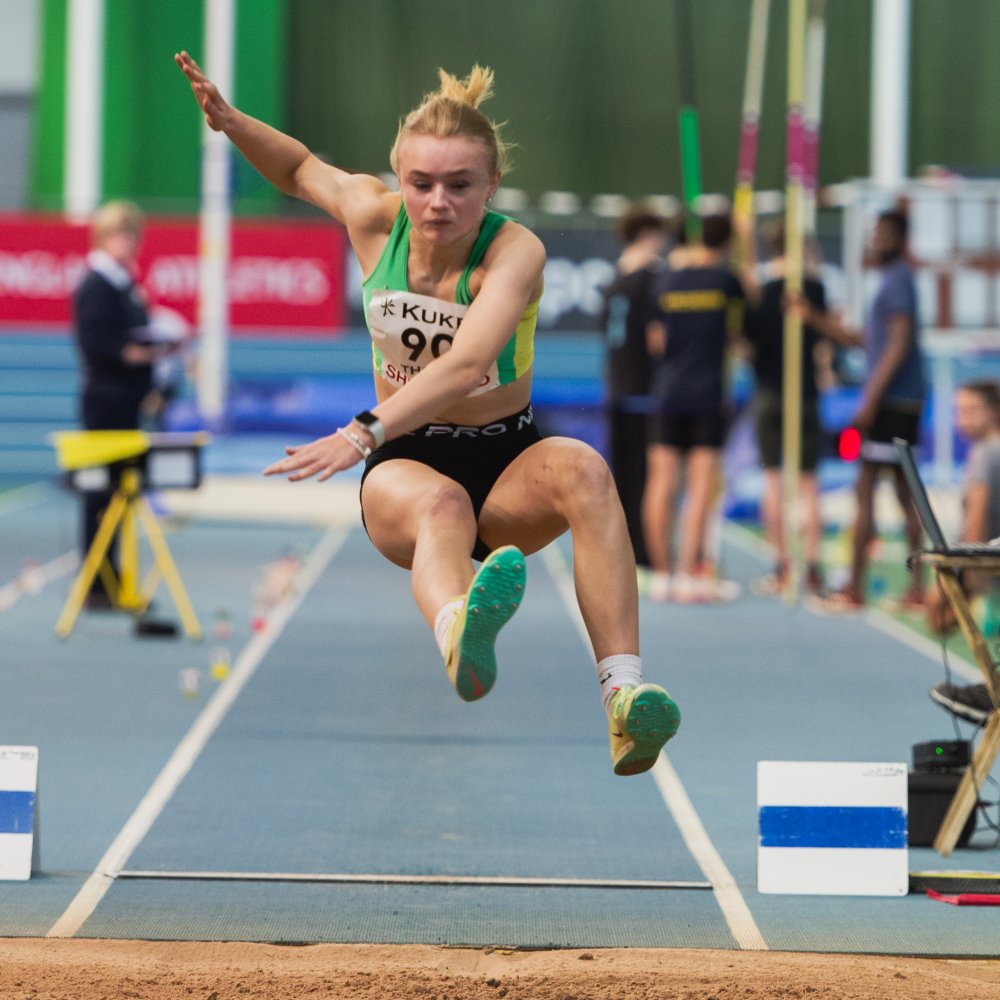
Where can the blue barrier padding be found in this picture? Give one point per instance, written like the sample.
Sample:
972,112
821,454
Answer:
17,812
832,826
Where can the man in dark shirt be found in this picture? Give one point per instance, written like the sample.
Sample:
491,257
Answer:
110,320
698,314
627,374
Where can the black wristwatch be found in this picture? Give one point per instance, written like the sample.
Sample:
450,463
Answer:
369,422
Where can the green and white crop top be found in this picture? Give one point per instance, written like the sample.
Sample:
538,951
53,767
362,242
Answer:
409,330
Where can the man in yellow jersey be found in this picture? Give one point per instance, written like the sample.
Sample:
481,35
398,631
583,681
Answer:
697,316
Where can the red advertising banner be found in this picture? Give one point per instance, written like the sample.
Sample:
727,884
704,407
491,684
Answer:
282,276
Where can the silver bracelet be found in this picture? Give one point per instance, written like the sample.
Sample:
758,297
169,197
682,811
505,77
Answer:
355,442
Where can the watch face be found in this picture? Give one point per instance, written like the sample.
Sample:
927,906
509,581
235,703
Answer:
371,424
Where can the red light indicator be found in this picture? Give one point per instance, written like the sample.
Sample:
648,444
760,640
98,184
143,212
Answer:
849,444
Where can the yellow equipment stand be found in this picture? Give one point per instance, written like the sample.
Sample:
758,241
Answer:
97,450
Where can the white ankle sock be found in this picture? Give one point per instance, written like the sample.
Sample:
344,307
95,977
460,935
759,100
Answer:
618,671
442,622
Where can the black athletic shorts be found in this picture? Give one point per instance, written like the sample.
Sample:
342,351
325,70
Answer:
685,431
474,457
768,410
892,420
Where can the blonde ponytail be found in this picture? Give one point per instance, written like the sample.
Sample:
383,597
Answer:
476,88
453,110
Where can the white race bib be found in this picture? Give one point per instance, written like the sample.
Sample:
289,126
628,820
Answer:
410,330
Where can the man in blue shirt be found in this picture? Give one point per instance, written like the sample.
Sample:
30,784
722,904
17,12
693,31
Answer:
892,400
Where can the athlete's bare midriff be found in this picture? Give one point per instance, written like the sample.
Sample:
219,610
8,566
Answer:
475,411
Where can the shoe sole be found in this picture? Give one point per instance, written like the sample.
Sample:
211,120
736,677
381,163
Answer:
653,718
494,596
957,708
833,608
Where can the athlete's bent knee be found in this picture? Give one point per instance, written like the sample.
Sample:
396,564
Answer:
584,476
450,503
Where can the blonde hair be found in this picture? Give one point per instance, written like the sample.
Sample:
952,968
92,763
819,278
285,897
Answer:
115,217
453,109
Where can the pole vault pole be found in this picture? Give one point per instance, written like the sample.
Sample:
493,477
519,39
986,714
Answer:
753,88
688,122
215,224
815,46
792,375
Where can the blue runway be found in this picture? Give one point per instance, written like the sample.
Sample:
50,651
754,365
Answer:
337,749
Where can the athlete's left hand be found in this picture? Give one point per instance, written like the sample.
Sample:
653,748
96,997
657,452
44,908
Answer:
322,457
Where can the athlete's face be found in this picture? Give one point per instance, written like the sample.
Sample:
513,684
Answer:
445,183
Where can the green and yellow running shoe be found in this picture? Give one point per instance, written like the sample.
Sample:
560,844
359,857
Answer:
640,720
493,597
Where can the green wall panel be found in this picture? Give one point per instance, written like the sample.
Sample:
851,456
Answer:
147,134
590,88
46,169
152,127
955,77
261,46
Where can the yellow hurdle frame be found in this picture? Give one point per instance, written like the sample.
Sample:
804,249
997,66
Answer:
126,511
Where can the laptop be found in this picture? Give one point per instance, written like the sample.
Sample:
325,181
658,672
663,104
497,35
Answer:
926,513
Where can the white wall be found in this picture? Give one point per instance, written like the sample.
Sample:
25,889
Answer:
19,45
19,67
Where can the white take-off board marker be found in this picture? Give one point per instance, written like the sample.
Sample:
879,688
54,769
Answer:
18,812
832,828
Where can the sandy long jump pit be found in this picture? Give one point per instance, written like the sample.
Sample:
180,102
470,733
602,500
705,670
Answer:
157,970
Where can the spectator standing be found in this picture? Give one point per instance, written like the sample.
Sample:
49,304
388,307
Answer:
110,322
892,400
697,316
627,310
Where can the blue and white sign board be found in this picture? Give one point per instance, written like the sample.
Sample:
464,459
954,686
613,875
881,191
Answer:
832,828
18,812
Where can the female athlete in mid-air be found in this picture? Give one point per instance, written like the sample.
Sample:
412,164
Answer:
455,468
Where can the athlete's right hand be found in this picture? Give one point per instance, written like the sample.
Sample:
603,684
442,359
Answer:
321,458
218,111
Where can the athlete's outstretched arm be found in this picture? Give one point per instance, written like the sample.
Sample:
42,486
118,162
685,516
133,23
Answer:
281,159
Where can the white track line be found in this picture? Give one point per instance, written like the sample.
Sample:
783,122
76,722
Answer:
750,543
47,573
921,644
22,497
727,894
734,907
187,751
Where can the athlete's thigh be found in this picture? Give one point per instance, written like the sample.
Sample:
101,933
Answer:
521,508
398,495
